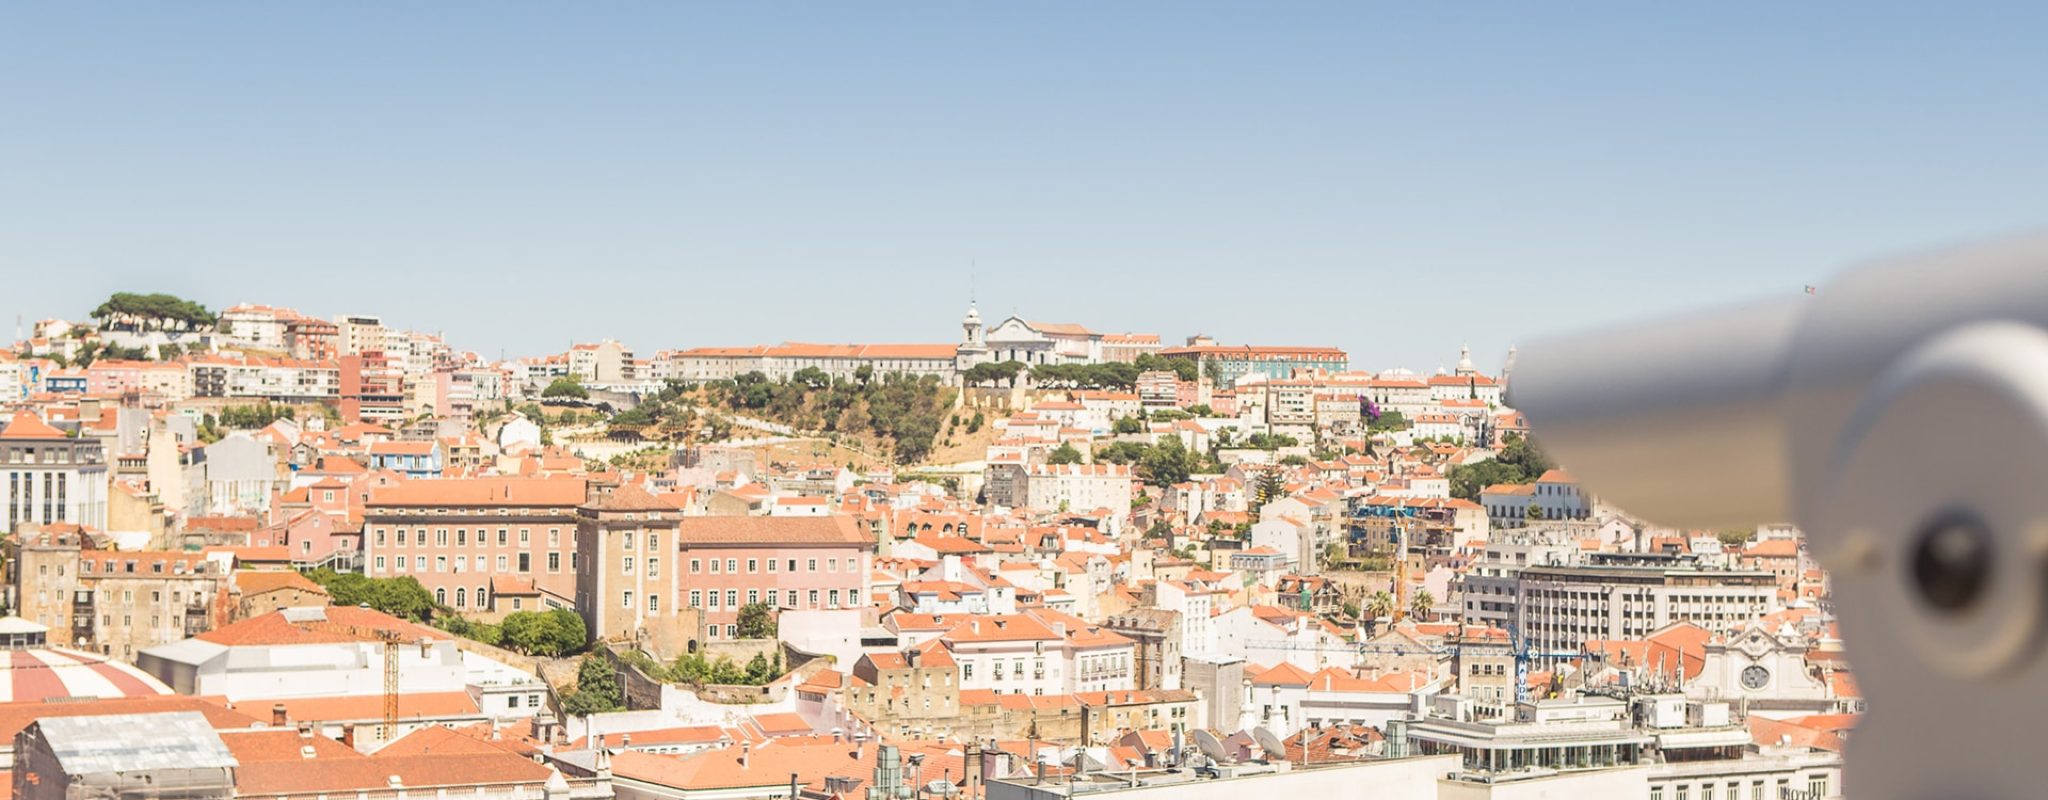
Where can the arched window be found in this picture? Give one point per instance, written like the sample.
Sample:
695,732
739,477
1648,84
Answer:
460,594
441,596
482,599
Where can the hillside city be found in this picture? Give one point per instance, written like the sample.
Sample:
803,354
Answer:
251,552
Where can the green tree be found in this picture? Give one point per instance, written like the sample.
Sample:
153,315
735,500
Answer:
1266,488
811,377
566,387
1533,512
756,621
1128,425
1066,454
1421,603
1389,420
1167,463
597,689
1380,604
153,312
1200,410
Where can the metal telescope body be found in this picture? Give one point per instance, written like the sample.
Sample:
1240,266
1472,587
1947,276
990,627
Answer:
1899,416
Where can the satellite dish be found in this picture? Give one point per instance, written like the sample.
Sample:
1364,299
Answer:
1274,748
1211,747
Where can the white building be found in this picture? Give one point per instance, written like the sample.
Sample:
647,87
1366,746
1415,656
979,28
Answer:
47,477
1077,487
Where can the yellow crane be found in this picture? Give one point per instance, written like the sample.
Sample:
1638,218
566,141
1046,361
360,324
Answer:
390,641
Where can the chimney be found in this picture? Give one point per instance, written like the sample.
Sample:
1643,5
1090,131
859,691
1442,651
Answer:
746,750
625,741
792,786
348,735
910,656
278,717
1086,719
305,729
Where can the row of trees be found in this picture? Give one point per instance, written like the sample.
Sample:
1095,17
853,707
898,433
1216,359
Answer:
153,312
905,410
1517,462
1381,604
402,597
1163,464
550,633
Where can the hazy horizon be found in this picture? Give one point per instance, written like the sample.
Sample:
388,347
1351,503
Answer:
1392,181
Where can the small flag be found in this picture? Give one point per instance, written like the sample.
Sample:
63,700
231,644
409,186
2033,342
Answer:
1812,289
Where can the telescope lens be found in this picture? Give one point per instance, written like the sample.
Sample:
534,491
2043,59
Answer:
1953,562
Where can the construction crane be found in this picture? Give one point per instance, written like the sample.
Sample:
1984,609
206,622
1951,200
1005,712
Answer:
1523,654
390,641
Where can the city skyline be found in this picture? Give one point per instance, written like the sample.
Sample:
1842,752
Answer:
1392,182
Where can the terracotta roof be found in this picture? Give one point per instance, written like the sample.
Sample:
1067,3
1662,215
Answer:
255,582
769,531
357,707
16,716
342,624
414,772
284,744
557,491
434,740
28,426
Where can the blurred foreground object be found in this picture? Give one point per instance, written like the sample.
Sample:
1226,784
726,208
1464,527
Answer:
1899,416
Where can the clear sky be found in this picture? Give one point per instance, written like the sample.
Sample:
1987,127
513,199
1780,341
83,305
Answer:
1392,178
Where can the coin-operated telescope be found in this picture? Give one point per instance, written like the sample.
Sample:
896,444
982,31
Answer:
1899,416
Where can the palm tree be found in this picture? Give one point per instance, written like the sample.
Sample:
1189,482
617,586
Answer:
1380,604
1420,604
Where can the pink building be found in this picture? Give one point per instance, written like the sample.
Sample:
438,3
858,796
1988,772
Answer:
454,534
785,562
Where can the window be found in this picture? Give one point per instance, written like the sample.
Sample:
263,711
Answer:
554,537
753,596
653,540
653,567
814,598
459,595
831,565
626,565
440,563
461,536
792,565
852,564
626,599
380,563
554,561
732,566
832,597
732,631
696,566
526,562
653,604
525,536
696,599
732,598
504,537
792,598
966,670
713,597
811,565
714,566
441,537
380,537
419,563
771,565
753,565
502,562
626,540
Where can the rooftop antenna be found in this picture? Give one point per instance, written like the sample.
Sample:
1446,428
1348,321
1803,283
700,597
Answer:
1275,749
1212,747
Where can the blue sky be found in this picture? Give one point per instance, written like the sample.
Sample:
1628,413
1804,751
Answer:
1391,178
